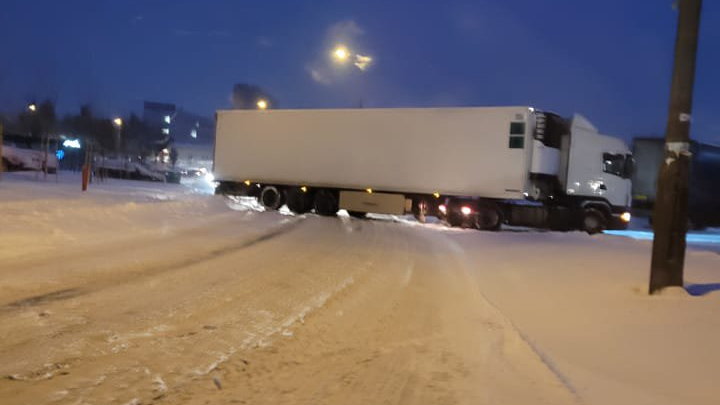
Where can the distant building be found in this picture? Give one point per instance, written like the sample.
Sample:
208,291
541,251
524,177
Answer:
191,135
180,125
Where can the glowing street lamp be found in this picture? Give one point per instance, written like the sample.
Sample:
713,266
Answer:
262,104
117,123
32,107
341,54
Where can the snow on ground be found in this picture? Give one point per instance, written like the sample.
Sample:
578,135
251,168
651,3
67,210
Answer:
640,229
139,292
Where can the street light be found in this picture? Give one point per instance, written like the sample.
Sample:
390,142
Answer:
117,123
32,107
341,54
262,104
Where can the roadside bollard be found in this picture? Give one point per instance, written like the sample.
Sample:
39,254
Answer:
85,177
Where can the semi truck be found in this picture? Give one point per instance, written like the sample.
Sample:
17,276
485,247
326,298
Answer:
703,182
475,167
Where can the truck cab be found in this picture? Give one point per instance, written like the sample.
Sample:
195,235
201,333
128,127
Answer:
598,177
580,172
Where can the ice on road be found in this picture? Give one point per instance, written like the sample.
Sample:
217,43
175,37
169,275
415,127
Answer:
141,293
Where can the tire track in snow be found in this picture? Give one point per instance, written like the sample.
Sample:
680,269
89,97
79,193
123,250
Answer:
67,293
547,362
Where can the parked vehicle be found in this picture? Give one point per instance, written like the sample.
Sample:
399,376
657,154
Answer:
703,184
134,170
475,167
22,152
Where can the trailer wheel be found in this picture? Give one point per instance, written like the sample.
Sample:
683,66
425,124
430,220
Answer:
357,214
271,198
326,203
593,221
299,202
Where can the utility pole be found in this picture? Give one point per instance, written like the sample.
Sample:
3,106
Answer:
670,214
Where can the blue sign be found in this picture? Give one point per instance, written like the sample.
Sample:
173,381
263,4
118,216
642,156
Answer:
60,154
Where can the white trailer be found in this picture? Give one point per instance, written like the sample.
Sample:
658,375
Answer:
476,166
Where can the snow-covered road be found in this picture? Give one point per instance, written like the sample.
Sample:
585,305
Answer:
137,293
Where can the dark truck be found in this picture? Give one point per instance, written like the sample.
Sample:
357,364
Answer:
704,182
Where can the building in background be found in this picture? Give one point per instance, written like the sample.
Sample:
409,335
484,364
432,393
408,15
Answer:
192,136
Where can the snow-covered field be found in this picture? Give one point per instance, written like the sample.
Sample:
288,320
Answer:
140,293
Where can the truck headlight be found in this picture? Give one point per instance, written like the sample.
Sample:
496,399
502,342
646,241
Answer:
625,217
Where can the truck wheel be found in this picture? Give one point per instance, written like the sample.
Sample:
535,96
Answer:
357,214
326,203
593,221
299,202
271,198
454,217
488,218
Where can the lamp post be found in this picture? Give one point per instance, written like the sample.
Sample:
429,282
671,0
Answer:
117,123
32,108
342,55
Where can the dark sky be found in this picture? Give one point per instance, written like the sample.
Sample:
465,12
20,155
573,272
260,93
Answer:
609,60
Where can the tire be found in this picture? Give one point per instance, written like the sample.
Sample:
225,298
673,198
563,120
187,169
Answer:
357,214
453,217
299,202
271,198
325,203
488,218
593,221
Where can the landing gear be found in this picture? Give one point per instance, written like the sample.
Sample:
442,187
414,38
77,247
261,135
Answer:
420,210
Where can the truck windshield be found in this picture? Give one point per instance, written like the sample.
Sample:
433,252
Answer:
618,164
